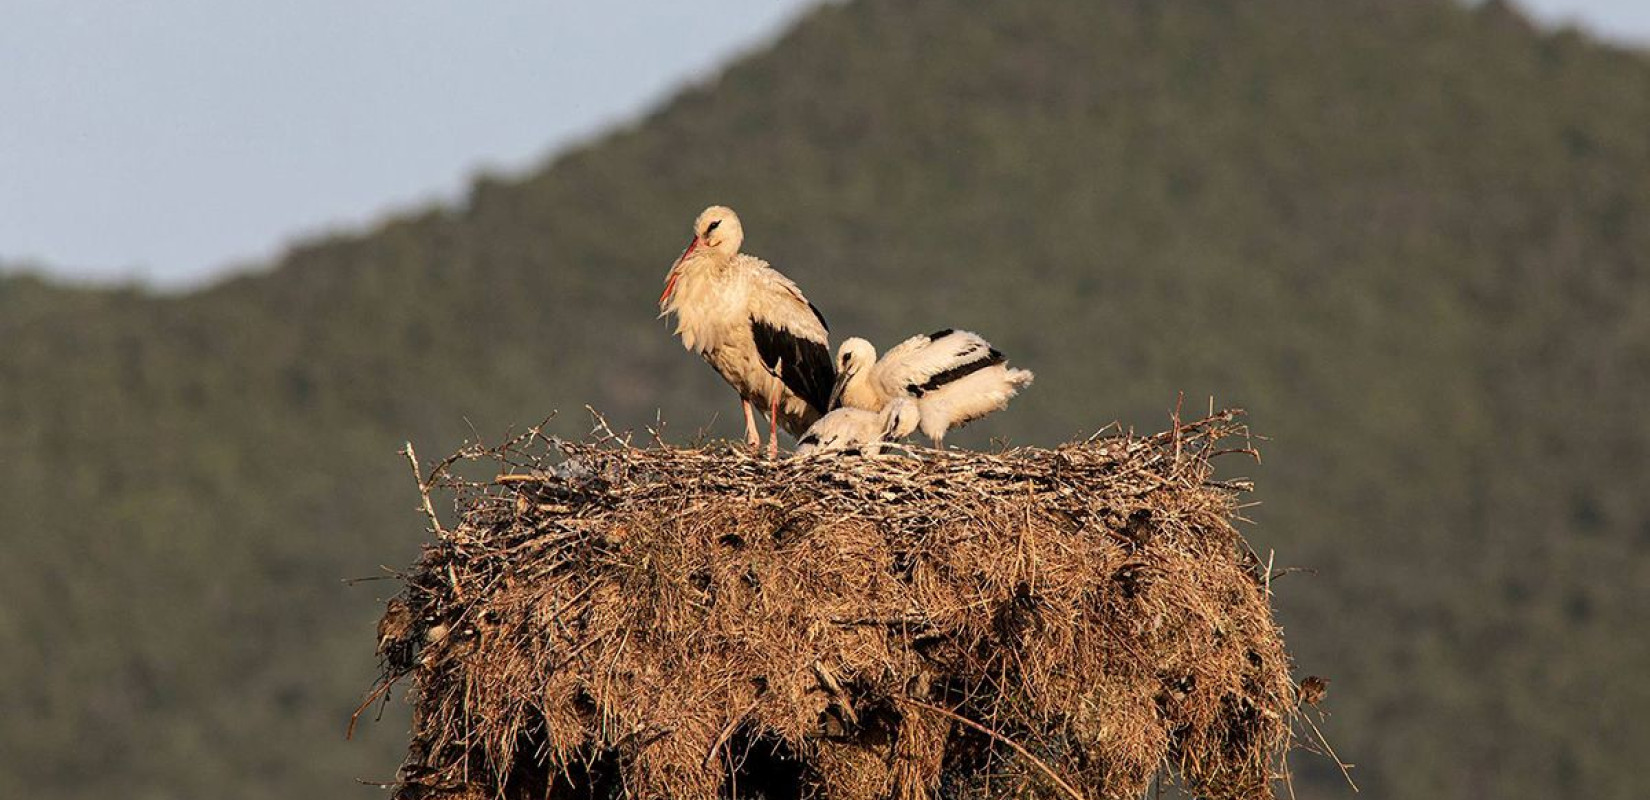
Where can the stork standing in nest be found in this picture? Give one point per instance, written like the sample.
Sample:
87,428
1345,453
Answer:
954,377
752,325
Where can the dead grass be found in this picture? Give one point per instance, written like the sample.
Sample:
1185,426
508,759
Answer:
669,622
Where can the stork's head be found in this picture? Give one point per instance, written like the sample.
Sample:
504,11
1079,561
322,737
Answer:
716,233
853,356
900,418
718,230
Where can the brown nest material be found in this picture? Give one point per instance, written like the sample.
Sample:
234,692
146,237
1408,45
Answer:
666,622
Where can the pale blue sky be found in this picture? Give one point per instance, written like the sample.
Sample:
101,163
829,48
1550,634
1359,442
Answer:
173,139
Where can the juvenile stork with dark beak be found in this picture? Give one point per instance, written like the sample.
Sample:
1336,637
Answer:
855,431
752,325
954,377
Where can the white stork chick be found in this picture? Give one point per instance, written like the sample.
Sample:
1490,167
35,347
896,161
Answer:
752,325
855,431
954,377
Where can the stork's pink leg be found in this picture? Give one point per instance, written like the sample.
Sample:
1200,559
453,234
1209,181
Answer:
773,427
773,413
753,434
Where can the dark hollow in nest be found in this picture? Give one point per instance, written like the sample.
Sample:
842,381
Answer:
664,622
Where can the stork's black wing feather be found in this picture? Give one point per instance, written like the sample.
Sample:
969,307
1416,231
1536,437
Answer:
803,365
960,371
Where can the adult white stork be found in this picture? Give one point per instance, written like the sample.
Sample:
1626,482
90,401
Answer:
752,325
855,431
954,377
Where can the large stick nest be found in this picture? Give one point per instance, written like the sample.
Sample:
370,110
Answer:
685,623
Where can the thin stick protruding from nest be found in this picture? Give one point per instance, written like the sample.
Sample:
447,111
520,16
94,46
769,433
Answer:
1346,769
423,490
383,687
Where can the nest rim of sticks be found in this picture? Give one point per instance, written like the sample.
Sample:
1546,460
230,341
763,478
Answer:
1082,616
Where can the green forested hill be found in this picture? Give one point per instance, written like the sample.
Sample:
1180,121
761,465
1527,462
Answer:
1412,238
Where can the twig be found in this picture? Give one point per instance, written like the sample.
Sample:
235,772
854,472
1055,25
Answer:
514,477
727,731
424,490
1267,583
376,693
1345,771
367,578
1176,428
903,621
1282,571
599,426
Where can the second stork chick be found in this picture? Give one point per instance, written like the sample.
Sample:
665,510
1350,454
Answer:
855,431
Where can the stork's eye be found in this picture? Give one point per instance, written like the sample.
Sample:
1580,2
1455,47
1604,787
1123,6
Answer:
712,227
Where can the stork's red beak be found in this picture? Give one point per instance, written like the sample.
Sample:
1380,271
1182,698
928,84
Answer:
676,271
